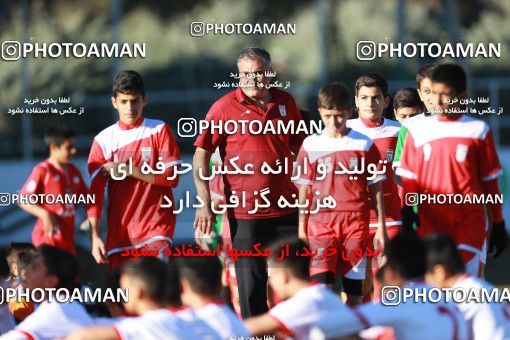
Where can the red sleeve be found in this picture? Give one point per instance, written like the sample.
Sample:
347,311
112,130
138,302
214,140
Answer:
296,140
207,140
408,165
489,167
35,181
492,188
171,156
97,180
304,168
489,170
373,157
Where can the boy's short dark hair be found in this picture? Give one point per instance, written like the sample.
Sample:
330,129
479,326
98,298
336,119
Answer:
173,286
12,253
203,273
152,272
334,96
26,257
406,255
58,135
372,80
442,250
60,263
297,266
113,283
452,75
128,82
425,72
408,97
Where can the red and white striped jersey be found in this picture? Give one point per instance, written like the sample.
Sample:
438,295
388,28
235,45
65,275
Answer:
135,216
385,138
349,191
46,178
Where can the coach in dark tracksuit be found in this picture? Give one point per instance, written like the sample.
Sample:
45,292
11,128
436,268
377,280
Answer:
257,218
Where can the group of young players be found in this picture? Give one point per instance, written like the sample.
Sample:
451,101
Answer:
439,153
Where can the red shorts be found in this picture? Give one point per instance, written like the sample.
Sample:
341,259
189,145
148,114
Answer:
341,239
392,231
155,248
466,225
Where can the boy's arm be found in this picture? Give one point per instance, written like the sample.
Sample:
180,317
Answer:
49,221
34,185
398,152
98,247
376,198
376,195
262,325
98,180
170,156
306,177
93,333
305,193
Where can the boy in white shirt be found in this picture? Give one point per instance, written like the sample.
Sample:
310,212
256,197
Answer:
145,280
200,279
412,318
489,320
52,269
303,301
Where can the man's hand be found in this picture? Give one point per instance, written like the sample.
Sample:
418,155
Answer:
204,241
50,223
98,250
380,240
204,219
498,240
112,169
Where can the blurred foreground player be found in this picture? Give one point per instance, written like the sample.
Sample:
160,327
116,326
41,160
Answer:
454,155
412,318
200,279
344,228
489,320
303,301
59,177
53,269
119,159
21,307
145,280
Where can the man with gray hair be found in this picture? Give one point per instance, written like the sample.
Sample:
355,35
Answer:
257,218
